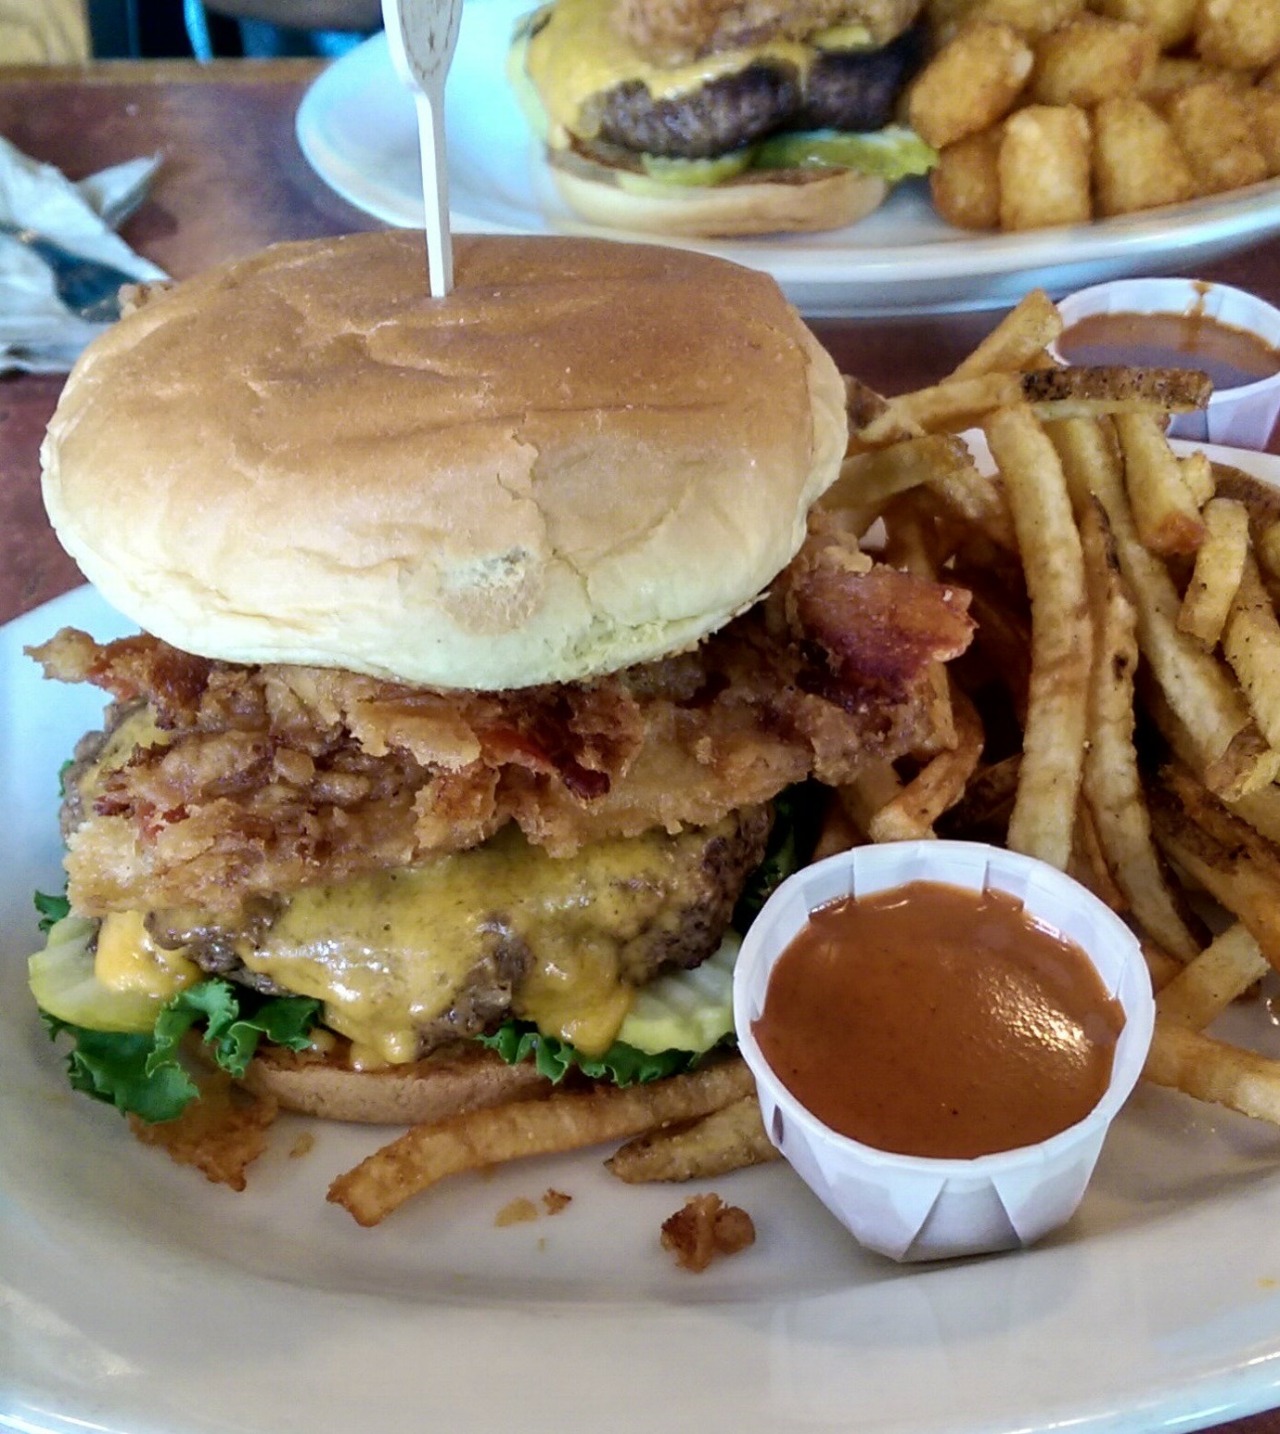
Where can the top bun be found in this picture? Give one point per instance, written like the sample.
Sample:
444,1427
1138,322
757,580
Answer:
589,455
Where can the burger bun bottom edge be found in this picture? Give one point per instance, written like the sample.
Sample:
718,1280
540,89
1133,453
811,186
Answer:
788,201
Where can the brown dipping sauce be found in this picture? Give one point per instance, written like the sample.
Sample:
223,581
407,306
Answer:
1233,358
930,1020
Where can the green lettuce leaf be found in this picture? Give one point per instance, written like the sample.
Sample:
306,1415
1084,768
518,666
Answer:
51,910
797,817
142,1074
622,1064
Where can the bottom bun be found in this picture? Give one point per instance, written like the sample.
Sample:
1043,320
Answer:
447,1082
762,202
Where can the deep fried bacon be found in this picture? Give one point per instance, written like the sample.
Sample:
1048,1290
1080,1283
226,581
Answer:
275,777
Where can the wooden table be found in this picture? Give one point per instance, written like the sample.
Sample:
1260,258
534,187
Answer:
233,180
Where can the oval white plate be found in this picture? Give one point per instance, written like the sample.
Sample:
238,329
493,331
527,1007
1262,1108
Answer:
356,127
137,1299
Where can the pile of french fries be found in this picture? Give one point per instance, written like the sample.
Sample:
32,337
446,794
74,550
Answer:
1119,715
1059,111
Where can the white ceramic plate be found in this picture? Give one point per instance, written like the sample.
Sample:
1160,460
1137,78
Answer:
137,1299
356,127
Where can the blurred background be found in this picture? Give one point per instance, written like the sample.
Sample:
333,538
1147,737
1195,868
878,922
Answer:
68,31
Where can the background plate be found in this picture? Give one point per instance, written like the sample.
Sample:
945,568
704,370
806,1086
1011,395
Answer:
356,127
137,1299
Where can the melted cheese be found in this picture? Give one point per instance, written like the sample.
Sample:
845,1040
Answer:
578,55
127,959
390,952
137,730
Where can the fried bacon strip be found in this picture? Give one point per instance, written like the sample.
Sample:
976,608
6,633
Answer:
275,777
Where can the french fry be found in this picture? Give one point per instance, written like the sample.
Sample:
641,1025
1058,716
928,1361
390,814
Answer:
1111,784
1032,325
1166,517
1061,637
731,1138
1161,967
911,814
1205,987
869,480
875,786
1215,1072
1061,393
1251,644
1267,549
1085,392
1197,473
1088,863
1216,577
1199,692
1220,853
566,1120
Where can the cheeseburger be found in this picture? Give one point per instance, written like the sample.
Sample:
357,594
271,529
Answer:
486,641
718,117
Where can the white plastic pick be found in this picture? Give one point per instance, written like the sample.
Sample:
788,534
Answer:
422,35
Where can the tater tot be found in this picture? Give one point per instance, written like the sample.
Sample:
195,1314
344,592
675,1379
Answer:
965,183
1044,167
1137,162
1264,107
1214,128
1240,34
1031,18
969,84
1092,59
1172,20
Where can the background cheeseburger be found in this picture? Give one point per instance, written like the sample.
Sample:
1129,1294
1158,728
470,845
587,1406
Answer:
482,637
722,117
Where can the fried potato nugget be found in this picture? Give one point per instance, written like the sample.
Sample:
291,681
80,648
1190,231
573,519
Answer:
1214,128
1238,34
970,84
1171,21
1028,17
1137,161
965,182
1044,168
1092,59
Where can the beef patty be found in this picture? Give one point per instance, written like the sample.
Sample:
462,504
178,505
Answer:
853,90
647,903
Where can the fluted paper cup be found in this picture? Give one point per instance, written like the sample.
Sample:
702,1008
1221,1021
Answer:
1243,417
916,1208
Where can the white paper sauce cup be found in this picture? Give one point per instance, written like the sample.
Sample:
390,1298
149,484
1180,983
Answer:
918,1208
1243,417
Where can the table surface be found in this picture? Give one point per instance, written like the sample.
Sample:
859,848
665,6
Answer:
233,180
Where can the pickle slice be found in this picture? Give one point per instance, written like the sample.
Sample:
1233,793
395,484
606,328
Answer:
889,154
685,1010
64,983
697,173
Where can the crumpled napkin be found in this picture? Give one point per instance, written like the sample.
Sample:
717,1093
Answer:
37,334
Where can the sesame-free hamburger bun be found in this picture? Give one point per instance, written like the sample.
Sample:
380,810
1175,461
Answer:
589,455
